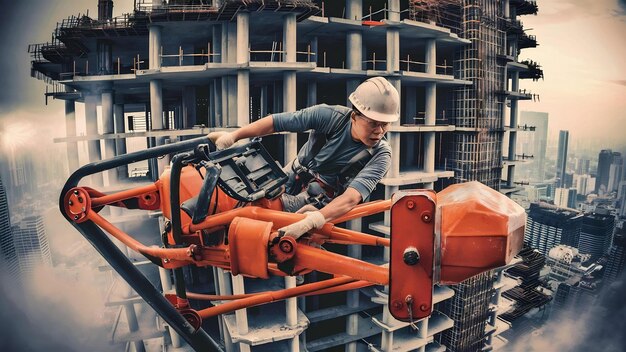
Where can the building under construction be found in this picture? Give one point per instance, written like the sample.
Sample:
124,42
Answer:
175,69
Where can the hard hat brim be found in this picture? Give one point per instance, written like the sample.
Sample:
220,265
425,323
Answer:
376,116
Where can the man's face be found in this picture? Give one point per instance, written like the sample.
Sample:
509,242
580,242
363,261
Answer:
366,130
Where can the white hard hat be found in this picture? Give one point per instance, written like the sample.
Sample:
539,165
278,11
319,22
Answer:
377,99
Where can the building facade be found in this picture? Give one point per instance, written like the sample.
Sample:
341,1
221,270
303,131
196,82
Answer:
548,226
596,234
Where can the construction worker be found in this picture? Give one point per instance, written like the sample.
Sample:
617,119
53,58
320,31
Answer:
343,160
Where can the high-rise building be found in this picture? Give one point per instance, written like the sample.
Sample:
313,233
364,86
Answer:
535,143
561,159
617,257
548,226
596,234
605,159
621,196
180,64
565,198
31,244
615,173
572,276
584,184
8,258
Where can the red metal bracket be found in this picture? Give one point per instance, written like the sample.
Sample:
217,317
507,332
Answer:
412,251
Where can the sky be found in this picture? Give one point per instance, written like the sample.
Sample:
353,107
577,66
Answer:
582,51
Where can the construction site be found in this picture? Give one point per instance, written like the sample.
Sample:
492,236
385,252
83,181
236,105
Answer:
174,70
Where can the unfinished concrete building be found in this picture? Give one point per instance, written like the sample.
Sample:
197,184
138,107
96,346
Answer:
174,69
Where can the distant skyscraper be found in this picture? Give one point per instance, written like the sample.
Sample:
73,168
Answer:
617,257
31,244
605,159
615,173
536,143
565,198
8,257
548,226
582,183
621,196
595,234
561,158
582,166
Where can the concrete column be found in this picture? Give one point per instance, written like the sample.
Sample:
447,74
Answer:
156,122
394,10
510,179
506,7
218,103
241,315
223,287
352,323
354,50
393,50
108,127
243,76
224,42
291,310
154,47
243,37
354,9
243,97
120,143
289,105
189,106
422,332
429,137
70,131
410,112
431,57
156,104
394,139
104,51
311,98
289,37
314,49
93,146
216,43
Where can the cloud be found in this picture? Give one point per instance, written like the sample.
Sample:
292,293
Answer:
598,327
621,82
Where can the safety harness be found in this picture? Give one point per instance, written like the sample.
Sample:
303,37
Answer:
303,176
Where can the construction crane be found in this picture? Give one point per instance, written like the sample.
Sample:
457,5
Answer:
223,210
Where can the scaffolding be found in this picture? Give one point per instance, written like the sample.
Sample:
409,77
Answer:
469,308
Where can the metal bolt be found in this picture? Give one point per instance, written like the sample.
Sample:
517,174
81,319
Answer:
70,202
410,204
426,217
76,191
411,256
286,246
76,217
423,307
397,305
80,199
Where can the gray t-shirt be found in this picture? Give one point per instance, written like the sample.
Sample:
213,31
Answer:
335,122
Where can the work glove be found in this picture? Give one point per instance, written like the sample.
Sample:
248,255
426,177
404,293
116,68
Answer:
306,209
222,139
313,220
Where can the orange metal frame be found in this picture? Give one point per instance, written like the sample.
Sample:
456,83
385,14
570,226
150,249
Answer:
254,249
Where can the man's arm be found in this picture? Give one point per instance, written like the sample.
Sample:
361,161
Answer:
341,205
316,219
258,128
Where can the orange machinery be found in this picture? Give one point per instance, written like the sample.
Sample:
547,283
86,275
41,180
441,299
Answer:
223,210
